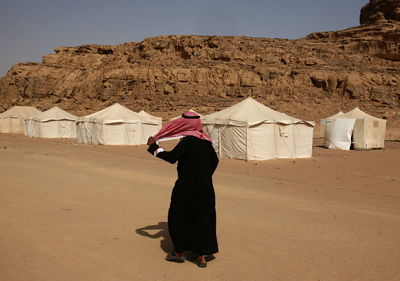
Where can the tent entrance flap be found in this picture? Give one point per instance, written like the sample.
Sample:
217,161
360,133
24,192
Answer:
338,133
261,142
233,142
284,141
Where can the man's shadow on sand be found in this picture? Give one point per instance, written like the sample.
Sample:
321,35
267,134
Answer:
166,242
161,230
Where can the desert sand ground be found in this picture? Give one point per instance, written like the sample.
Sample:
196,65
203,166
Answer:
98,213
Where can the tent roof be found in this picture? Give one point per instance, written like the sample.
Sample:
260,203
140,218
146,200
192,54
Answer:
335,115
54,113
357,113
117,113
148,115
19,112
325,120
190,110
249,112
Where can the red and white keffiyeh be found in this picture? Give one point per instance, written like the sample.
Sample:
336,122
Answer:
187,125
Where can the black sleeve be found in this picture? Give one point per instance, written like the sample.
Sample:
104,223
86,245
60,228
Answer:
153,147
173,155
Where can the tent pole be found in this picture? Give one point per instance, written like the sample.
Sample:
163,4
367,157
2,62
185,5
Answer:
219,142
276,145
247,137
294,142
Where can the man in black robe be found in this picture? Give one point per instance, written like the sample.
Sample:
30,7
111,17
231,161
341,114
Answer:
191,215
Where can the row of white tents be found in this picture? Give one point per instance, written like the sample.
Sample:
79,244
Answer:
247,130
115,124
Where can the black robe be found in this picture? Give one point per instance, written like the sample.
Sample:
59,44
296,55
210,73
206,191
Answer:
191,215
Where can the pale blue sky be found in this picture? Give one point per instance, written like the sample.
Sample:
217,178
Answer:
30,29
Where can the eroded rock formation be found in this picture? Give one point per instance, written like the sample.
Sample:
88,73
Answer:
380,11
309,78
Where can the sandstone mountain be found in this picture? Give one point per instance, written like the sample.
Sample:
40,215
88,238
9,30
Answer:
308,78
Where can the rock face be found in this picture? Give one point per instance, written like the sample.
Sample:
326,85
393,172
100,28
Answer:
380,11
309,78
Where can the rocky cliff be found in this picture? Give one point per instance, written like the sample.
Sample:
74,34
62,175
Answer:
308,78
380,11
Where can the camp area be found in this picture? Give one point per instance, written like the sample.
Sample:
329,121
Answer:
86,206
81,197
246,130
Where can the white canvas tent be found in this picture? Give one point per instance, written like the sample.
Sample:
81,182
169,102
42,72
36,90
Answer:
116,125
53,123
355,127
323,122
251,131
13,120
190,110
